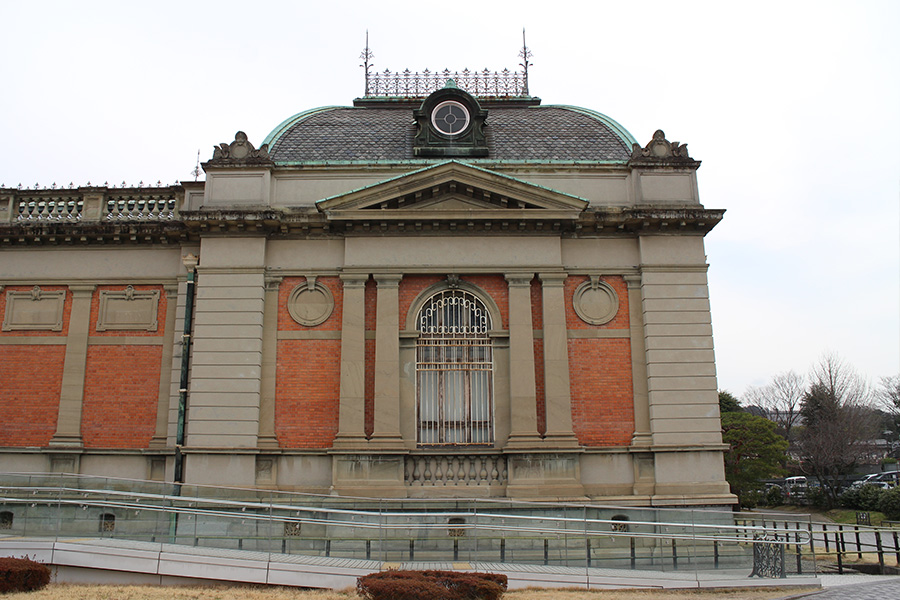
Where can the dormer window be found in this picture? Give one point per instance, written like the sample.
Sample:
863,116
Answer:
450,123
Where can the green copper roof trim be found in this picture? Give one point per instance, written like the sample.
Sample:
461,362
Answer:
612,124
458,162
290,121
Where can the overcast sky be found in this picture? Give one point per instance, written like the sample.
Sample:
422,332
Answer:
793,107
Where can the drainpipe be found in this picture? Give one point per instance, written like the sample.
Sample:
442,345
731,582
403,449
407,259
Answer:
190,262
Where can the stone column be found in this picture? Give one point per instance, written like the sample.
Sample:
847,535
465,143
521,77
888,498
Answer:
68,422
642,434
351,419
557,391
165,368
522,390
386,433
267,437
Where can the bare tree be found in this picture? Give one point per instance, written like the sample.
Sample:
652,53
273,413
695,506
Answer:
781,398
839,421
888,395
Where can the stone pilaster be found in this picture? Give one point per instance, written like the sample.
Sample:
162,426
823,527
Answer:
557,390
642,435
267,437
386,433
351,419
165,368
522,390
68,422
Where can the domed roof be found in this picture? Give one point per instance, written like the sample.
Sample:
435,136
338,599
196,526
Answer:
514,133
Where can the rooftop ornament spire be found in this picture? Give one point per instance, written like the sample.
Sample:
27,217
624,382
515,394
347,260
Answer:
367,56
525,54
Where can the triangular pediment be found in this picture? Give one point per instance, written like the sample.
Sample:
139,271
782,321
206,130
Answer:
452,190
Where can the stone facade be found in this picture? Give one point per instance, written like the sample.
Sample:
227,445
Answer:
312,261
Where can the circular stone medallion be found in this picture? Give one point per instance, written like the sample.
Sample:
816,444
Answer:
310,307
595,306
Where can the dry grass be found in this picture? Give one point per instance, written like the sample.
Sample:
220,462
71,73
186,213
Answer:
138,592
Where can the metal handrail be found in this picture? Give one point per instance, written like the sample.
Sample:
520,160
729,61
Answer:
701,531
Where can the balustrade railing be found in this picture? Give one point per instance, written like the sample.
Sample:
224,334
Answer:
140,208
74,205
49,209
455,470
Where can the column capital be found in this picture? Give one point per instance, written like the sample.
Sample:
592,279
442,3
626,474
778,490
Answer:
272,282
633,280
354,279
81,290
553,279
387,279
519,279
170,289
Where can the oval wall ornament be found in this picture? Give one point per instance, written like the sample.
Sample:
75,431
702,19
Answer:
595,302
310,304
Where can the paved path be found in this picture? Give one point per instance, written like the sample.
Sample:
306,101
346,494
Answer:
847,587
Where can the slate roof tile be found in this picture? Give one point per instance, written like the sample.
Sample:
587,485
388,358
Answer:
540,133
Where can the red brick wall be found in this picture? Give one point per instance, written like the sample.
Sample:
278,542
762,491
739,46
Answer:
600,375
31,379
121,395
537,322
121,382
308,375
307,393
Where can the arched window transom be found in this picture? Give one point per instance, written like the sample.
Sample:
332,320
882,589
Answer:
454,371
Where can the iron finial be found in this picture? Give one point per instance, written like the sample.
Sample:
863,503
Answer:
525,54
367,56
196,171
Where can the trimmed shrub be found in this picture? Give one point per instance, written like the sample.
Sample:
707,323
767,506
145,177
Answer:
817,498
774,496
22,575
889,504
750,498
849,498
431,585
869,495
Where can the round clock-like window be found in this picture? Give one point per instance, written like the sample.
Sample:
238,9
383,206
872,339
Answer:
450,117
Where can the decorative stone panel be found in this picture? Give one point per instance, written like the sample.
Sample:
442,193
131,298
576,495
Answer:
128,310
595,302
34,310
310,304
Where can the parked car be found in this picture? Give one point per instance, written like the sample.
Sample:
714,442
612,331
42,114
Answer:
887,479
795,488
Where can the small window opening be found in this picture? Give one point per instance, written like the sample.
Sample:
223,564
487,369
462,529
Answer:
6,520
291,529
107,522
619,523
456,531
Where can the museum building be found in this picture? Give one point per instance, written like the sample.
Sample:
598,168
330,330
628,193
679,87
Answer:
447,289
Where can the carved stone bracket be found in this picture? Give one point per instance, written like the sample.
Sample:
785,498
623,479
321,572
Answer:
659,150
240,152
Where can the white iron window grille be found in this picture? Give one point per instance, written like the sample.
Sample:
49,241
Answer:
454,371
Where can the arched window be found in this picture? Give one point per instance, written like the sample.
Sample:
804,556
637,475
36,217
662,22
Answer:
454,371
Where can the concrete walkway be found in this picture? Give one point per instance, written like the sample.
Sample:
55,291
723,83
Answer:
856,587
104,560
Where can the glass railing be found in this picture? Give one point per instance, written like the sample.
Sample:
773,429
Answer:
702,543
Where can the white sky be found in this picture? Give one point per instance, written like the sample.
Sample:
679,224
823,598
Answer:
793,107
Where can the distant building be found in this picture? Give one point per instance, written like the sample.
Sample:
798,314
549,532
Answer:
445,290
